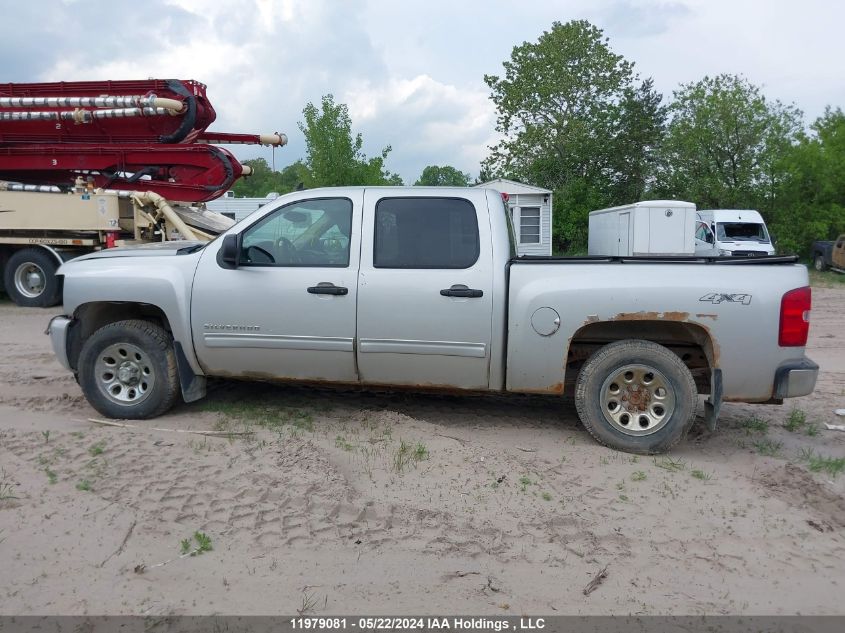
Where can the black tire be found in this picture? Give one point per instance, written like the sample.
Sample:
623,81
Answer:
45,264
596,401
132,398
819,264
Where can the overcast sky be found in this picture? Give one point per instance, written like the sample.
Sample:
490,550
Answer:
411,71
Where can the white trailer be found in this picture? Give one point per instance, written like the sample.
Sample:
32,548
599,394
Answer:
652,227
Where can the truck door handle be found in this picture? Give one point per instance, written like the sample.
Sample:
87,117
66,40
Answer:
327,288
460,290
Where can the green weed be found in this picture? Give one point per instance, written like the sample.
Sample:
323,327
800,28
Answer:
833,466
84,485
672,465
546,496
340,442
639,476
52,477
700,474
767,447
754,425
203,544
96,449
797,419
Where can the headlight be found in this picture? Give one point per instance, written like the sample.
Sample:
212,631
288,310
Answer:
725,253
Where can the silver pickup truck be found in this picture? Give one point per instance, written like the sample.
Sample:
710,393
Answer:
420,288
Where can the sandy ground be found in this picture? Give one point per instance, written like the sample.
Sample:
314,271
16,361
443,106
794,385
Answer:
495,506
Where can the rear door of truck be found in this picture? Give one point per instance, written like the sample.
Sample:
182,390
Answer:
425,296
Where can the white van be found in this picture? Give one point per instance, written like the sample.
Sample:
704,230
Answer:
733,233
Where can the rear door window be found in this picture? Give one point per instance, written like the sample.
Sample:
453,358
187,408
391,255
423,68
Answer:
425,233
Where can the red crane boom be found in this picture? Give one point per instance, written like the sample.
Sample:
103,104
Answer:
146,135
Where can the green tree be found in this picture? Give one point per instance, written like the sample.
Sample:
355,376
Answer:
810,204
263,179
445,176
724,145
575,120
334,156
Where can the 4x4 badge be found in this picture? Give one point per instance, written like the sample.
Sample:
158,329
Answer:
718,297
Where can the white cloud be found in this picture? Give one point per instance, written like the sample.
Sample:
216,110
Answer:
432,122
411,71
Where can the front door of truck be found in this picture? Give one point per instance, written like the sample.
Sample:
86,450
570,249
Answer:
287,310
425,295
838,253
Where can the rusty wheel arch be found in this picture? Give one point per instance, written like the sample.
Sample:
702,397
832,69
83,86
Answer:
693,343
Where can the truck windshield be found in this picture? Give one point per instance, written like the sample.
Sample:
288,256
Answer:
742,231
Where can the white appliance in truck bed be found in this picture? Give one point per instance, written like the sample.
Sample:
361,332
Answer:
652,227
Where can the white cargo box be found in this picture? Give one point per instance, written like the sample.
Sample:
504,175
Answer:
652,227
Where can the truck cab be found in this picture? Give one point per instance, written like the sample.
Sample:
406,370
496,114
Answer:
732,233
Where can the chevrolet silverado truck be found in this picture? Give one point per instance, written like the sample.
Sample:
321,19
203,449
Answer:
421,288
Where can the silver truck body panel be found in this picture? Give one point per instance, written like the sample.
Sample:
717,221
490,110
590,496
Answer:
744,330
408,333
161,279
261,322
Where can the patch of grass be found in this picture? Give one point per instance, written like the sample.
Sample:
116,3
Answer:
700,474
420,452
672,465
639,476
268,416
833,466
623,497
407,455
6,487
797,419
811,430
754,425
827,279
768,448
78,434
546,496
203,544
52,477
96,449
525,481
46,435
340,442
84,485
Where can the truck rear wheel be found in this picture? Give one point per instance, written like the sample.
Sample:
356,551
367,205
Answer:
127,369
636,396
30,278
819,263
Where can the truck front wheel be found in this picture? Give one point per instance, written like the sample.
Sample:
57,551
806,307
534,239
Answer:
30,278
636,396
127,369
819,263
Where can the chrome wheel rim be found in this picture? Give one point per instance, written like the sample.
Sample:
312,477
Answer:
637,399
124,374
30,279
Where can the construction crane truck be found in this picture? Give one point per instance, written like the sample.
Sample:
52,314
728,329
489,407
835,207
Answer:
91,165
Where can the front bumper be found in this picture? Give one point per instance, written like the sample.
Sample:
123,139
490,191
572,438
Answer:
58,331
796,378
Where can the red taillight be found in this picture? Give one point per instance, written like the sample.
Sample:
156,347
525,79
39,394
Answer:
795,318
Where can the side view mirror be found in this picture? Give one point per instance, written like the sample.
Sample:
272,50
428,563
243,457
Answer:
230,250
